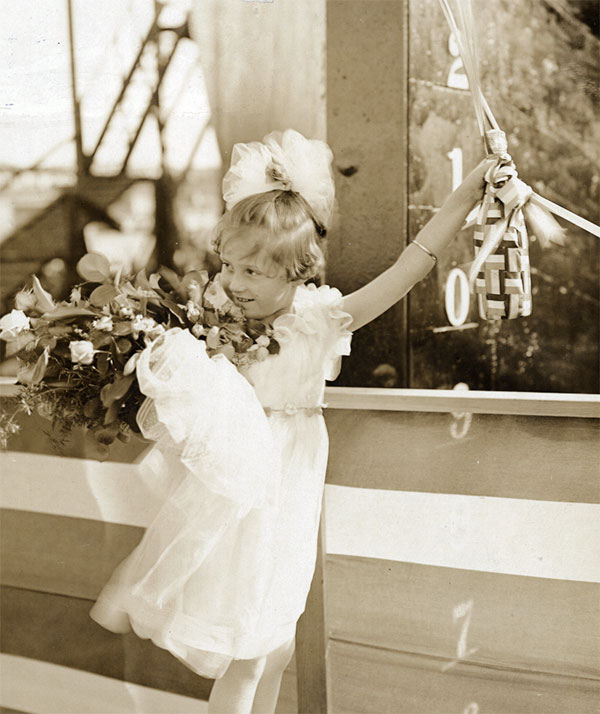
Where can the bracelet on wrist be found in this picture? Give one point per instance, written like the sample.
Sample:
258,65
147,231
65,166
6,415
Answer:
425,249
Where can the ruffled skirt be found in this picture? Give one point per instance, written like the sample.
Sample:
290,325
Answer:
199,583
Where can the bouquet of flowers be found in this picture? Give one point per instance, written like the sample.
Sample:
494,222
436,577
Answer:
78,357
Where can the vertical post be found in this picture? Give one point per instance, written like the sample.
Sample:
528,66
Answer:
369,143
404,311
165,226
165,187
76,243
311,640
81,159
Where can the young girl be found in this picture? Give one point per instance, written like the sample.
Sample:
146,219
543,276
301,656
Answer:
222,573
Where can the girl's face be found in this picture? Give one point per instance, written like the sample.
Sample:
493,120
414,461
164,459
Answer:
254,283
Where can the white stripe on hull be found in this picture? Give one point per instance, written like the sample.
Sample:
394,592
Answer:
30,685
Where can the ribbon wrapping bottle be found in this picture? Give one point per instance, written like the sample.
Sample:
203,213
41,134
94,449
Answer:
501,272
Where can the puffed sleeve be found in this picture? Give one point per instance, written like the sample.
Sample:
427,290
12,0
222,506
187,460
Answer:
333,325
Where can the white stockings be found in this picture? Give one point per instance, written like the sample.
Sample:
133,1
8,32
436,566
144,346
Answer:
267,691
251,686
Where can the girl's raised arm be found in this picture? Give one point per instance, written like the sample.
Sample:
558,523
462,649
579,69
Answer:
414,263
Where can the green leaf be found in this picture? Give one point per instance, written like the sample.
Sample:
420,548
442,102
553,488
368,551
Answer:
92,408
111,413
122,328
173,279
48,341
115,390
25,340
44,298
174,308
102,363
154,281
107,434
62,350
274,347
100,338
124,436
123,345
67,313
59,330
141,281
103,294
256,328
94,267
227,350
36,374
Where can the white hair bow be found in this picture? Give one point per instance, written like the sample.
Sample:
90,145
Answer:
286,161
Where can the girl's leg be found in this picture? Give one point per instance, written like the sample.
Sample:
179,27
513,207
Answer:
234,692
267,691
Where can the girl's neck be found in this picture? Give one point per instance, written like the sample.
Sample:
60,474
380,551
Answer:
270,319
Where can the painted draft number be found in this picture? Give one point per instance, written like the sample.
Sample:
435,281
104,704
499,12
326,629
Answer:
457,297
457,79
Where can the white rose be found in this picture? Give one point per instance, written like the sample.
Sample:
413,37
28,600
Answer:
82,351
25,300
104,323
12,324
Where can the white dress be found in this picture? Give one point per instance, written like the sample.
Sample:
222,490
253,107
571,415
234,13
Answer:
224,569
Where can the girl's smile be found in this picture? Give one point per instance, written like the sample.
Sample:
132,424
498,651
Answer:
255,283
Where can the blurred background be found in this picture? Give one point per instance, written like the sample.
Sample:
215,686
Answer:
118,120
460,557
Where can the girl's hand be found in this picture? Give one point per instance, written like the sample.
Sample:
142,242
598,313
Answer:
381,293
472,187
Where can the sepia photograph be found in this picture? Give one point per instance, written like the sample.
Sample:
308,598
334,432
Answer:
300,357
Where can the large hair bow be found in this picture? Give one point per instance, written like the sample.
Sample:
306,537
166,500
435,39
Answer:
283,160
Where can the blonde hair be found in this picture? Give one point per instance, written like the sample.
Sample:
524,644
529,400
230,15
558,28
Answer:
289,234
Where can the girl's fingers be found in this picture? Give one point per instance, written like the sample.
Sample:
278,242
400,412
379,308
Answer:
485,164
474,182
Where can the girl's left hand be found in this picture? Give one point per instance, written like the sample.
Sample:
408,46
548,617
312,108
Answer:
473,185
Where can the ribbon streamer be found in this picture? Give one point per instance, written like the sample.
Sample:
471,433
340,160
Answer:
468,53
464,31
